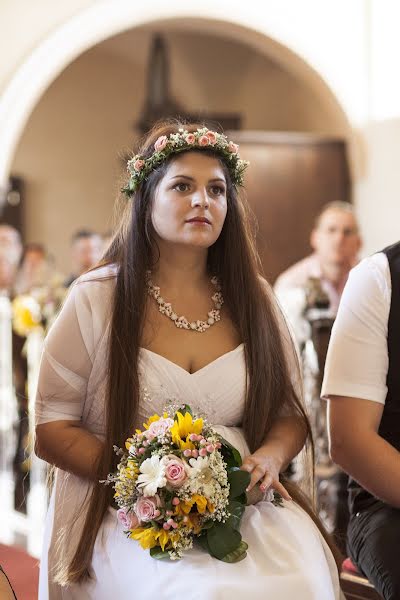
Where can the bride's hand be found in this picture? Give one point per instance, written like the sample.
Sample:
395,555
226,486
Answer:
264,469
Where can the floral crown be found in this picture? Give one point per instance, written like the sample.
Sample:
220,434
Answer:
139,168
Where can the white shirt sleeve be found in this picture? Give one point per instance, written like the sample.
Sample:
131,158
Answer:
357,360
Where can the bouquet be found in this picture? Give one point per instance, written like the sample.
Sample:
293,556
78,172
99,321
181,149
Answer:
178,481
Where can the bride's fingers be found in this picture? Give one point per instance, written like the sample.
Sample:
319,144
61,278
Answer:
256,474
270,482
266,482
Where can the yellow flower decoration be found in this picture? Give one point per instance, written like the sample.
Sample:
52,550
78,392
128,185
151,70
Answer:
163,538
183,427
186,505
26,314
150,537
146,537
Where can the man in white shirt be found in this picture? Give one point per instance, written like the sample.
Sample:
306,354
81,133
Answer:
336,242
362,385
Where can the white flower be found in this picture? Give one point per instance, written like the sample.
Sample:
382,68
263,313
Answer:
152,475
197,465
201,475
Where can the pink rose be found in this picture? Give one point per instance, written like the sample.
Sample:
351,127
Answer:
212,137
234,148
146,508
159,428
161,143
203,140
138,164
190,138
175,472
128,519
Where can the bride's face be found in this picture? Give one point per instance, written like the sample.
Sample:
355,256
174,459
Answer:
190,202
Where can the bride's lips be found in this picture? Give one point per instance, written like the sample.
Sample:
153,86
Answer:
199,220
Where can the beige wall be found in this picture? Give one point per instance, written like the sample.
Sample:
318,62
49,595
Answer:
68,154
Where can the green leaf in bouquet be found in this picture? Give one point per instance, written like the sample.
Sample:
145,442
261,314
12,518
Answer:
208,525
236,510
239,554
238,481
159,554
202,540
223,540
231,455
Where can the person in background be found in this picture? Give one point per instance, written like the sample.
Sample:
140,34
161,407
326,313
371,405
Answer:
86,250
34,271
336,242
362,385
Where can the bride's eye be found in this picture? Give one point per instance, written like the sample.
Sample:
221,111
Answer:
181,187
217,190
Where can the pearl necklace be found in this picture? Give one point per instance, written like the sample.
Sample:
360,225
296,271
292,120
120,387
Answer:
166,309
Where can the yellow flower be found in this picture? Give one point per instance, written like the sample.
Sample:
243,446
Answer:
151,537
186,505
163,538
183,427
128,442
26,314
147,538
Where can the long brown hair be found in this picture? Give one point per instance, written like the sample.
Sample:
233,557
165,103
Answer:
234,259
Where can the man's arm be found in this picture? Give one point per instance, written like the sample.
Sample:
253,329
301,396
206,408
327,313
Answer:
357,447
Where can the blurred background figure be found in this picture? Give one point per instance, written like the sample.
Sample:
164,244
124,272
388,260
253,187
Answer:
10,255
319,279
86,250
35,269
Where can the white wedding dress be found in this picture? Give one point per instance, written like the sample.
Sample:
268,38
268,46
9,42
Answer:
287,556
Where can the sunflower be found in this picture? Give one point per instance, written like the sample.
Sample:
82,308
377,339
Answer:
183,427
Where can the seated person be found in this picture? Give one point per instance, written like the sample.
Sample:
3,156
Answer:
86,251
34,271
362,384
336,242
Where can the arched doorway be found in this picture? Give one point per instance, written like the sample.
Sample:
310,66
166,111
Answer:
253,55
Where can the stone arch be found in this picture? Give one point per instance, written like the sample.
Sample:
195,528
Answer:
102,21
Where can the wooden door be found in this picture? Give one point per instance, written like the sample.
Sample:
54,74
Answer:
290,178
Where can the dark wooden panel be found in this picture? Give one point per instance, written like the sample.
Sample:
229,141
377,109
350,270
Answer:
12,211
291,177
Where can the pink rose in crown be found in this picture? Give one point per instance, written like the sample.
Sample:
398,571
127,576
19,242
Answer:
212,137
146,508
128,519
175,472
159,428
138,164
203,140
233,148
190,138
161,143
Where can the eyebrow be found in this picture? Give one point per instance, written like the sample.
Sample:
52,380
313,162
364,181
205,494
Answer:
192,179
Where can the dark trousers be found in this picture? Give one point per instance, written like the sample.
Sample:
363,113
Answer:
373,538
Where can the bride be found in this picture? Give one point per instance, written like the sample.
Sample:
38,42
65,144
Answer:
120,349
